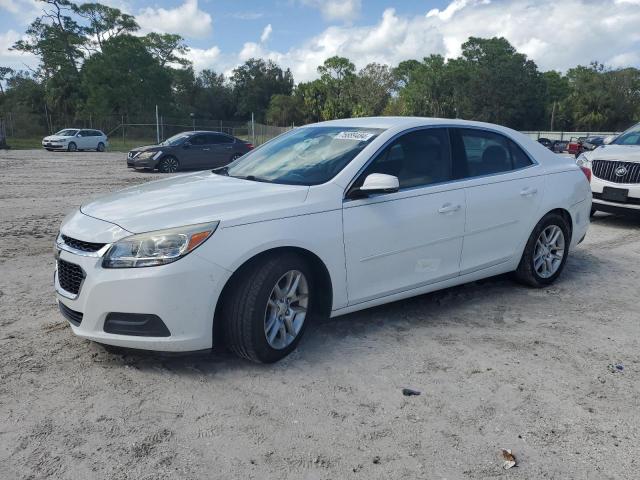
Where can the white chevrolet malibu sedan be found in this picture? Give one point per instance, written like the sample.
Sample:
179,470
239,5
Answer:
326,219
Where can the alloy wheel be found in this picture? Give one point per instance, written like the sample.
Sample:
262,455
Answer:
169,165
549,251
286,309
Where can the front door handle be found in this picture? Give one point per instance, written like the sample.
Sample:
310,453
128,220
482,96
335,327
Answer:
448,208
206,149
528,192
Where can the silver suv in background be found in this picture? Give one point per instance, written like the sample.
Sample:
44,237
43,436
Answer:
74,139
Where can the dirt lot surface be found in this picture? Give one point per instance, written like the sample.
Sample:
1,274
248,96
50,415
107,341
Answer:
498,365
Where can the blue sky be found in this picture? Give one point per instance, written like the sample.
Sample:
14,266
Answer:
300,34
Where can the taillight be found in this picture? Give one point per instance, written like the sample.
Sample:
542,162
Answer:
587,173
250,145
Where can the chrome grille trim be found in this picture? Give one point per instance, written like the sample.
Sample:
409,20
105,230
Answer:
606,170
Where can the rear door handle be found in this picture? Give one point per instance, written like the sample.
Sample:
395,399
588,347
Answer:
448,208
528,192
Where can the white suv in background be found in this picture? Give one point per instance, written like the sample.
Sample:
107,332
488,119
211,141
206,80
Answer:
74,139
615,173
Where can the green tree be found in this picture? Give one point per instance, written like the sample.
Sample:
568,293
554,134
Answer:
502,85
337,76
254,82
313,96
5,73
372,90
285,110
167,48
125,78
104,22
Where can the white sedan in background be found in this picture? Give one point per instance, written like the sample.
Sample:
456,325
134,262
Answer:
326,219
614,170
74,139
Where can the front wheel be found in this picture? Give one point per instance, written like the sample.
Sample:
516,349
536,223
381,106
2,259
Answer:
546,252
168,165
268,308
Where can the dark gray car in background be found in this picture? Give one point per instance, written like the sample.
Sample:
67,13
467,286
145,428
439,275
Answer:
197,150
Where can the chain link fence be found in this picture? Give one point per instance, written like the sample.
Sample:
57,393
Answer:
125,132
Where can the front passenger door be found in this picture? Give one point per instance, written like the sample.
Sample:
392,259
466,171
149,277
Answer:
405,240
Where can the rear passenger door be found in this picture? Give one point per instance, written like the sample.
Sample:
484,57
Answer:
503,189
222,149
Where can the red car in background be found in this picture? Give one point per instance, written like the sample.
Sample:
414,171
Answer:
574,147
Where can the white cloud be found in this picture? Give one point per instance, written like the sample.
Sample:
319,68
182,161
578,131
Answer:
343,10
24,10
187,20
203,58
12,58
266,33
606,31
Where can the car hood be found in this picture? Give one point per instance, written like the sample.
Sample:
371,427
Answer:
56,138
147,148
624,153
196,198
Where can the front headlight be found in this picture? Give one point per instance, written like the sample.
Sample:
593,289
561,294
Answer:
157,248
583,161
146,155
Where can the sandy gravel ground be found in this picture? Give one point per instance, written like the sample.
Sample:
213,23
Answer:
498,365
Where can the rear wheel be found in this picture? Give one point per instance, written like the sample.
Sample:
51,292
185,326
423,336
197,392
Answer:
593,212
100,147
235,156
168,165
546,252
268,308
72,147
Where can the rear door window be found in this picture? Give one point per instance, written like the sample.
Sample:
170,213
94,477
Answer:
218,138
481,152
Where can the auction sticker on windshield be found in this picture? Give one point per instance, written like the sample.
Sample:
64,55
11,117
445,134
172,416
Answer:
357,136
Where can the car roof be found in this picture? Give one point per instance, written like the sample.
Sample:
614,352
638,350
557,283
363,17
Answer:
401,123
196,132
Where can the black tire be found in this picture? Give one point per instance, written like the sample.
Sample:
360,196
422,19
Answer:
244,310
100,147
72,147
49,149
526,272
169,164
235,156
593,212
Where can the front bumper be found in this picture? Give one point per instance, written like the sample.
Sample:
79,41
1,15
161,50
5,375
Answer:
54,146
183,294
631,205
137,162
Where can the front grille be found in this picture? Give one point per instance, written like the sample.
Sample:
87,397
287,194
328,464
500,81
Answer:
70,276
71,315
609,170
82,245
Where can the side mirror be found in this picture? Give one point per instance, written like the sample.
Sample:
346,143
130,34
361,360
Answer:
607,140
379,183
186,145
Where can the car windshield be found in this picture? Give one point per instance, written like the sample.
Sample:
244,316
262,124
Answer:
68,132
304,156
176,139
629,137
